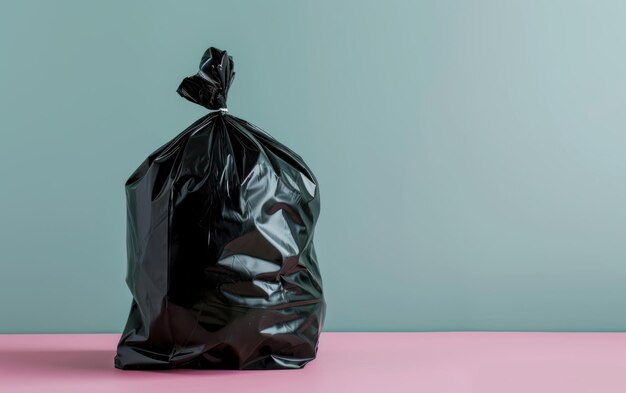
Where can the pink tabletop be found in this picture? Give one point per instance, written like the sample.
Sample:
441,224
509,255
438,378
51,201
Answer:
347,362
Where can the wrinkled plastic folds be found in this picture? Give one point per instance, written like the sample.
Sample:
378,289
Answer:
221,263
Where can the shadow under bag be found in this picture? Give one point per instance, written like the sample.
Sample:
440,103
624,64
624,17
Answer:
221,263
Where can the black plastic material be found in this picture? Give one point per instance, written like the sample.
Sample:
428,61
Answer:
221,263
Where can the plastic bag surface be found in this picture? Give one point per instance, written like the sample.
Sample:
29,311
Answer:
221,262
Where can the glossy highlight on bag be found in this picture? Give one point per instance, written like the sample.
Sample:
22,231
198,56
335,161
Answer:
221,262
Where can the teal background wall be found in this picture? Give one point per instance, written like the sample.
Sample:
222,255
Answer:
471,154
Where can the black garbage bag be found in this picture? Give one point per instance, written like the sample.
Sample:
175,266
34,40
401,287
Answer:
221,263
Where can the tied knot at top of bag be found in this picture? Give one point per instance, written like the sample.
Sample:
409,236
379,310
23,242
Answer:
209,87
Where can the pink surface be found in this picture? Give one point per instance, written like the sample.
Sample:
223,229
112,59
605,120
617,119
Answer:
347,362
